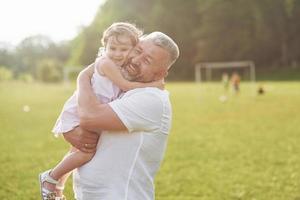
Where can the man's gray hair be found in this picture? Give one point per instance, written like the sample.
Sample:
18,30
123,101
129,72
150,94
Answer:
162,40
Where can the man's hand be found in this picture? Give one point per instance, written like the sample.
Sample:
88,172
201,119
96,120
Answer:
88,72
83,140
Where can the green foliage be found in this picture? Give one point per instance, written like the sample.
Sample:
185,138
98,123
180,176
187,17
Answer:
5,74
25,77
7,56
25,56
49,71
244,149
266,31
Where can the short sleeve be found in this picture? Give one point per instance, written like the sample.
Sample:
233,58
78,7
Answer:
140,111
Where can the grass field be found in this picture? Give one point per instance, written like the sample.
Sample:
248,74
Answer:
246,148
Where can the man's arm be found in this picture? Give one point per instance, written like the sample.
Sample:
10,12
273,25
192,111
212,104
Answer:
92,113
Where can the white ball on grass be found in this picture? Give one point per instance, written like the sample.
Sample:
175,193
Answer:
223,98
26,108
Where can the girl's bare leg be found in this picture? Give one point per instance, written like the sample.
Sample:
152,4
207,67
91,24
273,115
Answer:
62,181
61,184
71,161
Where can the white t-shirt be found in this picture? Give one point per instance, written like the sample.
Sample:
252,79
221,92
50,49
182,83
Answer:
124,165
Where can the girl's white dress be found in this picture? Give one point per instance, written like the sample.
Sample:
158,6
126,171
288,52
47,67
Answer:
105,91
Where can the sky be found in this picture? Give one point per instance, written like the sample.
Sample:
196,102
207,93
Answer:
58,19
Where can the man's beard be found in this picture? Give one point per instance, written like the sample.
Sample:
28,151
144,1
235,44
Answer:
131,71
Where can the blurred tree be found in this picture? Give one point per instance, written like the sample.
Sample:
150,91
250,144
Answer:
294,28
5,74
7,56
49,70
30,51
180,21
174,17
266,31
25,77
36,48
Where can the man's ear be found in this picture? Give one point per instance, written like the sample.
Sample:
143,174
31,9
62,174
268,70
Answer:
166,73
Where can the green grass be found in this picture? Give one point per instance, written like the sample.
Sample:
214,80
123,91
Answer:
246,148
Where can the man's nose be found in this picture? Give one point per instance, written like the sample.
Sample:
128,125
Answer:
137,58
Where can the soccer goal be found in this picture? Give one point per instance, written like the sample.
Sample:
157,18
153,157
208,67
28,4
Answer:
203,71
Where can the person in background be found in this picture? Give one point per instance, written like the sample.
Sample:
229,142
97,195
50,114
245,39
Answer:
235,82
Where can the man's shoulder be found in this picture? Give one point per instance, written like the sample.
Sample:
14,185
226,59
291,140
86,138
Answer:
147,98
148,91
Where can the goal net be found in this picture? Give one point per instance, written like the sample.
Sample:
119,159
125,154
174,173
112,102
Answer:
204,71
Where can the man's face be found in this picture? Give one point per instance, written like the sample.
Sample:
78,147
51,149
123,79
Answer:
146,63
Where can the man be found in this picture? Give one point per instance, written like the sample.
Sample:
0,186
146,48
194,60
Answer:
134,128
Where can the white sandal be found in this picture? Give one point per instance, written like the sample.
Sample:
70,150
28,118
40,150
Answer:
45,193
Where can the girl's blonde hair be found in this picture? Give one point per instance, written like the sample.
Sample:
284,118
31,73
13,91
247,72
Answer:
124,29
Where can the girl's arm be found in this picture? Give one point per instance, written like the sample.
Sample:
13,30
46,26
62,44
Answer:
111,71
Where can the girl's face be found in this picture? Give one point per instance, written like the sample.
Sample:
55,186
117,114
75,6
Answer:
118,48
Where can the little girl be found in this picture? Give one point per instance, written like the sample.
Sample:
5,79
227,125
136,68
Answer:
108,84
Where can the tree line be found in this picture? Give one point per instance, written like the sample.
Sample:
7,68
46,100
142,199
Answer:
265,31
